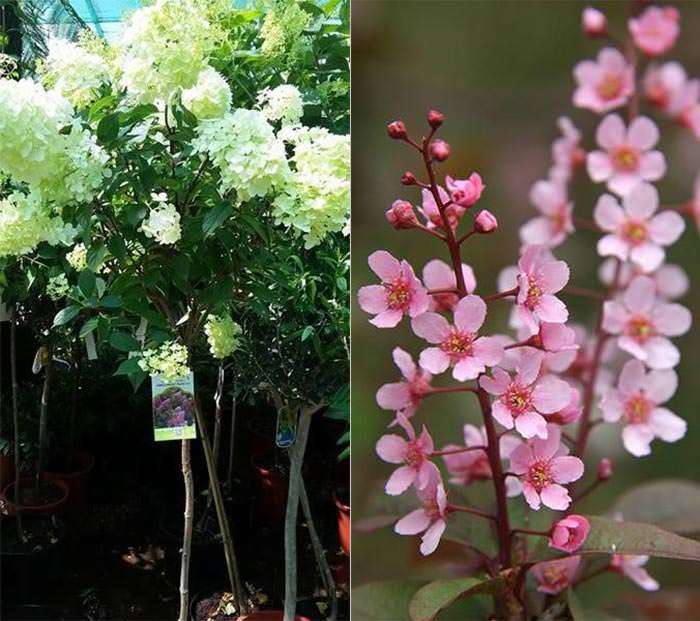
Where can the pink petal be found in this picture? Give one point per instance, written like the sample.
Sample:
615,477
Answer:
599,166
551,395
611,132
394,396
671,319
387,319
434,360
432,327
608,214
420,302
566,469
384,265
392,449
612,405
497,384
614,317
648,256
502,414
467,369
622,183
552,309
640,295
470,313
554,275
425,442
438,275
431,538
637,438
413,523
547,448
531,424
643,133
521,458
671,281
652,166
642,201
488,349
667,425
427,471
632,377
537,231
642,578
404,361
661,353
660,386
401,479
529,366
631,346
665,228
555,497
547,197
372,299
531,495
613,246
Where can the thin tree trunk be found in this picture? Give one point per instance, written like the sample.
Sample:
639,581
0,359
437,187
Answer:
44,415
15,421
187,532
229,551
320,553
231,442
217,411
76,359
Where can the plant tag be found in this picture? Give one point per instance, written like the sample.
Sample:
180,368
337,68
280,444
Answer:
141,331
39,360
173,408
90,346
286,431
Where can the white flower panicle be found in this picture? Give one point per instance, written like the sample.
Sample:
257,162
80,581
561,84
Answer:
283,103
57,288
163,49
169,361
243,146
222,335
163,221
210,97
25,222
77,257
74,72
282,31
317,202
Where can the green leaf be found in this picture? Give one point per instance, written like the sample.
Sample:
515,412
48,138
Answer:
66,315
307,332
579,613
430,600
128,367
89,326
383,601
122,341
673,504
610,536
111,301
215,217
108,128
86,283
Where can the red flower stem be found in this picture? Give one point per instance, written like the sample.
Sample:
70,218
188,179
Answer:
585,492
439,291
525,343
584,293
502,294
447,389
588,225
472,510
529,531
457,451
466,236
425,229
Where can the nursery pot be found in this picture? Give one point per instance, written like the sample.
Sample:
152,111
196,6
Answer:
260,615
77,481
261,431
343,524
271,484
7,470
55,504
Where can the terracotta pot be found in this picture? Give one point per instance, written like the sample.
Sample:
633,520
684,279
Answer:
7,470
56,506
343,525
77,481
271,486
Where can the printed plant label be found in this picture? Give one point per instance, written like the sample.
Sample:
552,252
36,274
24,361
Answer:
173,408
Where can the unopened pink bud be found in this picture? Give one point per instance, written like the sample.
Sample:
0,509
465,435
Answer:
605,469
594,22
396,130
401,215
440,150
435,119
408,178
485,222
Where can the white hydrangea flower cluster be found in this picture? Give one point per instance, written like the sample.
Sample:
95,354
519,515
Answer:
25,222
57,288
210,97
283,103
243,146
77,257
222,335
282,30
318,200
169,361
73,71
163,49
163,221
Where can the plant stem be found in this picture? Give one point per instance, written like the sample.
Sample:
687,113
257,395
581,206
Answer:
187,532
472,511
502,294
231,444
15,421
44,414
457,451
76,360
529,531
583,292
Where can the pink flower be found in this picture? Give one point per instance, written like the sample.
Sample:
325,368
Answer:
431,212
694,205
566,151
468,466
405,396
465,192
540,276
524,399
400,293
485,222
414,454
438,275
670,279
636,401
570,413
555,224
401,215
593,22
605,84
458,345
555,576
627,158
630,565
633,233
643,324
557,337
543,467
684,106
440,150
430,519
661,83
569,534
655,31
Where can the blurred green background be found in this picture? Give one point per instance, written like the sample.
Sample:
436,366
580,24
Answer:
501,73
